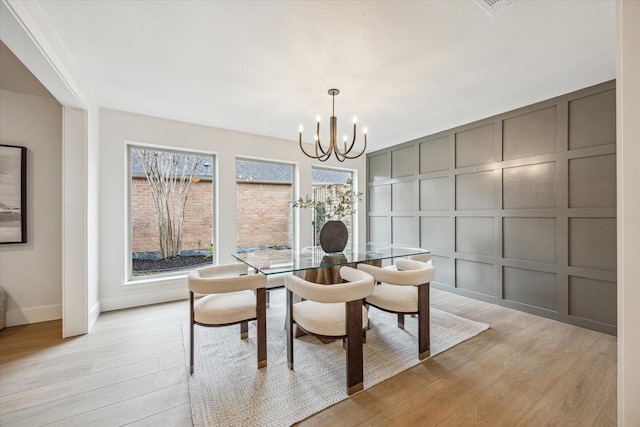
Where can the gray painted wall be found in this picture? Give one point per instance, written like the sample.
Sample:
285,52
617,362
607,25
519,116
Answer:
518,209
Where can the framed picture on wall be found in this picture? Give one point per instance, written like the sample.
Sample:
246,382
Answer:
13,194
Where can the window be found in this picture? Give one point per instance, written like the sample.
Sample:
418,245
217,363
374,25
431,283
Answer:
263,213
320,179
170,211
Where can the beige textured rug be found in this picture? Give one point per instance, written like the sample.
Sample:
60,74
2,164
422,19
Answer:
227,389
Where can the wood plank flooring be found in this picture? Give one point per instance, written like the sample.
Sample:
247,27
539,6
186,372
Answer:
130,370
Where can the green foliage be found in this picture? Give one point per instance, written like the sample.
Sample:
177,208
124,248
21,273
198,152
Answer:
340,202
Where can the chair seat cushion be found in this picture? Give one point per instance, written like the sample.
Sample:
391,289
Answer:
221,309
402,299
327,319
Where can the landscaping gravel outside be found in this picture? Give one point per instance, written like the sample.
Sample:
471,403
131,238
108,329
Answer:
170,264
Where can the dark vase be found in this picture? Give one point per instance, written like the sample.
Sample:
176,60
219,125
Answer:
334,236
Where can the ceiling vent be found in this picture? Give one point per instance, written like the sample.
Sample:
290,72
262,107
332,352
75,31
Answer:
493,7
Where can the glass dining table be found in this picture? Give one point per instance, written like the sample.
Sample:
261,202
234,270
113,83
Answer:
315,265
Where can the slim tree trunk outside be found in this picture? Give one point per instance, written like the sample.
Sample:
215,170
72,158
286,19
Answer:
169,176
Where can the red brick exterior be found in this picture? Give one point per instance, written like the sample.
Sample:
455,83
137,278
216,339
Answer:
198,217
263,215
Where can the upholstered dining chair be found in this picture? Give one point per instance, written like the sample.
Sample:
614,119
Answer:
231,297
404,291
332,311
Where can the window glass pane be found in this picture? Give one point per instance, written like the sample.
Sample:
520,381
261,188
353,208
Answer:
321,178
171,211
263,213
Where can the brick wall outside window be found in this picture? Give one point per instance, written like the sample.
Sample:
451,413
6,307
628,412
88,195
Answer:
263,215
198,217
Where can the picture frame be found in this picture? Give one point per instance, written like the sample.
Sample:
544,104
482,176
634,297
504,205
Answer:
13,194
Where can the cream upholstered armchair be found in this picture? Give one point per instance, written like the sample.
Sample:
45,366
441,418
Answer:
332,311
404,291
231,297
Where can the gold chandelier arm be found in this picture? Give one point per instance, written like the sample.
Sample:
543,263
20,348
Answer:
322,157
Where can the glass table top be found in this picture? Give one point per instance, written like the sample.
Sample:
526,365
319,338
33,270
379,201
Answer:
313,257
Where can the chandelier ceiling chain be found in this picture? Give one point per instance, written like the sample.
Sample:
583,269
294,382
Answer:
324,155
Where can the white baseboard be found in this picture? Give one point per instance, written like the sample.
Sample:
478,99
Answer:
34,315
137,300
94,313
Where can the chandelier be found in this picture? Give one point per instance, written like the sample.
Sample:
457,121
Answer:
324,155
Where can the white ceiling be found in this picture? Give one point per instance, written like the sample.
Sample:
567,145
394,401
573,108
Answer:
406,68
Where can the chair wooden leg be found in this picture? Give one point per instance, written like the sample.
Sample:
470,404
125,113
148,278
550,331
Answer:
192,334
244,330
424,318
289,328
400,321
354,346
261,314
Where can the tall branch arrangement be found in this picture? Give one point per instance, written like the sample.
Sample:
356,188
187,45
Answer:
170,176
339,202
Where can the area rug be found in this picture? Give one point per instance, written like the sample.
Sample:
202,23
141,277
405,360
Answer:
227,389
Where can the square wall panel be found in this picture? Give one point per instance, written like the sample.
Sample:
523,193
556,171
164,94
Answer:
592,182
405,231
475,235
530,287
444,270
436,233
403,196
379,229
379,198
476,191
529,134
529,187
435,194
592,243
475,277
475,146
434,155
379,167
403,162
592,120
593,299
529,239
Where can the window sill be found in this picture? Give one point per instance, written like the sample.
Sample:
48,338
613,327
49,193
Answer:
174,279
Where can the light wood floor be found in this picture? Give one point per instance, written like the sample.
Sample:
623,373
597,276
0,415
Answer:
130,370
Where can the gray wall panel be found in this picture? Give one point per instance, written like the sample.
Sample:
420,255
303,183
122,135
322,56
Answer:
475,191
434,155
379,229
529,187
444,270
380,198
529,134
535,288
405,231
403,196
530,239
403,162
592,243
475,235
592,182
592,299
379,167
435,194
476,277
592,120
435,233
475,146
